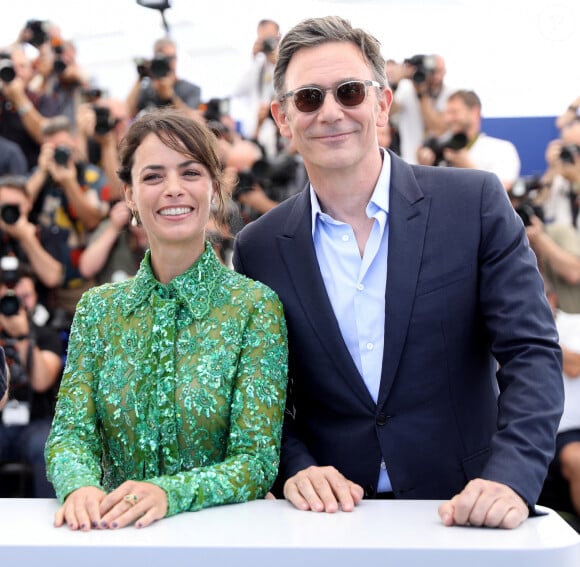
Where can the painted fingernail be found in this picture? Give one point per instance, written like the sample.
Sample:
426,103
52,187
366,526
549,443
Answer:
104,525
94,524
114,525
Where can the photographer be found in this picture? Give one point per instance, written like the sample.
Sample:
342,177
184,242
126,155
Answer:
268,182
115,249
420,94
34,357
20,119
101,124
19,237
157,83
70,199
466,146
561,203
557,248
255,90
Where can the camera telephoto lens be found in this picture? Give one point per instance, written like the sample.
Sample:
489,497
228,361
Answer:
10,213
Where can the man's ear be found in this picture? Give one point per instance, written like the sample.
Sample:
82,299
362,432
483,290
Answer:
281,119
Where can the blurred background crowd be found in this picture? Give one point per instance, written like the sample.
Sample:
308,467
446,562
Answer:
64,226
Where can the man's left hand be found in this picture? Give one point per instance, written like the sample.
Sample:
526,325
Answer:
484,503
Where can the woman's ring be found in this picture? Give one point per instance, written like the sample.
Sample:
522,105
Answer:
131,499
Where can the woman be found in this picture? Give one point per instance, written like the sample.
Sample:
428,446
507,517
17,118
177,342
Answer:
173,393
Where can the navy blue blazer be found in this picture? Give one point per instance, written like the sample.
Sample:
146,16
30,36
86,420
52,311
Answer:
463,295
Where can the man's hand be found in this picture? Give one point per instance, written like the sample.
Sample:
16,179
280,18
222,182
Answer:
484,503
322,489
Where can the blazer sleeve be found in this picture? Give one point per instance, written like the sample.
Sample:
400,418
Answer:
524,341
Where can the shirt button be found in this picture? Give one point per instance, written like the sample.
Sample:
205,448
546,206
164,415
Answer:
383,466
360,287
370,346
345,238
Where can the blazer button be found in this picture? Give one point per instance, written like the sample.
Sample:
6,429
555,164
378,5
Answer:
381,419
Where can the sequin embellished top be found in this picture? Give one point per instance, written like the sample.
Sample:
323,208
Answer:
182,385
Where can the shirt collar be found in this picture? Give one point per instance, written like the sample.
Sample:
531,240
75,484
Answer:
379,200
193,289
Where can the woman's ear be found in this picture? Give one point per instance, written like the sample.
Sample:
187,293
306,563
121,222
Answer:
128,191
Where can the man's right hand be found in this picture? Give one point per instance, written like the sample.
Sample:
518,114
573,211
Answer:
322,489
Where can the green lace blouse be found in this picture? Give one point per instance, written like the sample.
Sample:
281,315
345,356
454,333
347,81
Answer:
181,385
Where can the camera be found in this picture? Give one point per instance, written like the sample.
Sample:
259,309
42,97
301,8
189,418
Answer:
268,173
424,67
62,154
569,153
450,141
9,213
142,66
269,45
159,66
105,122
9,304
215,108
38,30
523,186
7,72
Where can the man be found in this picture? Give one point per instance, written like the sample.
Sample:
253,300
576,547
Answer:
71,197
419,102
39,247
478,151
255,86
34,357
405,288
561,202
158,85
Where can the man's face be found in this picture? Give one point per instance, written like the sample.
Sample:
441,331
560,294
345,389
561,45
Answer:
458,117
332,137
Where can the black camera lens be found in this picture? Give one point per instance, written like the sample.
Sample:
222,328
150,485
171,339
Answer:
568,153
9,304
159,66
62,155
7,73
9,213
104,121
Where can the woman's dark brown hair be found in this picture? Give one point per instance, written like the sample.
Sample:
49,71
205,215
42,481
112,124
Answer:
180,133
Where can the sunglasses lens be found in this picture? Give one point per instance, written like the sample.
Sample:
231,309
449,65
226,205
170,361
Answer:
351,94
308,99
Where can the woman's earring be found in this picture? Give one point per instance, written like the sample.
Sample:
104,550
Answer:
134,218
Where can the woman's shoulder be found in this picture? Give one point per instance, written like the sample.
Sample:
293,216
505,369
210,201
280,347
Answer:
242,285
112,292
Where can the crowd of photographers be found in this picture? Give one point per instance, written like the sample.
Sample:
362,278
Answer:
64,226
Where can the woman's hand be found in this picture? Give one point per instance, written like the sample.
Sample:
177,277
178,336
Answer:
80,510
138,502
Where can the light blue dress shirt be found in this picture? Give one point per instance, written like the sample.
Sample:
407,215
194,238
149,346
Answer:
356,285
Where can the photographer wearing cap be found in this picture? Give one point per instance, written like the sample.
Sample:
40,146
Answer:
157,83
420,94
465,145
34,358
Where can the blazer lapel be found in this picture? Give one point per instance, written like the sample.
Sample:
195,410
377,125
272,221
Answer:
408,213
297,251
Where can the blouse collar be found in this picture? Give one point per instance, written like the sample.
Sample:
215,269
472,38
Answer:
193,289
